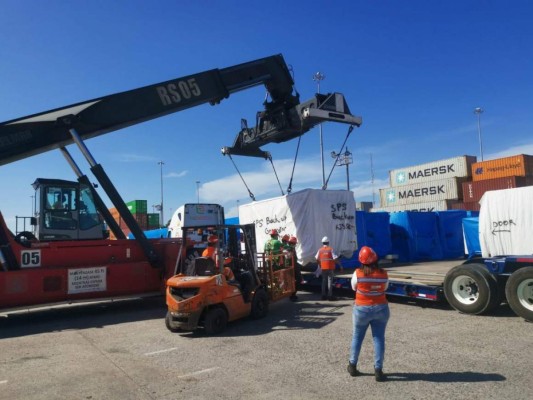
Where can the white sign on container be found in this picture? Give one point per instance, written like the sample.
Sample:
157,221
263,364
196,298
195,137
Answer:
460,167
310,215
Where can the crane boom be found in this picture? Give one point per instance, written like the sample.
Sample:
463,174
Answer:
41,132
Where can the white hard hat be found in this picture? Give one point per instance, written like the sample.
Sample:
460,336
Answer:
325,239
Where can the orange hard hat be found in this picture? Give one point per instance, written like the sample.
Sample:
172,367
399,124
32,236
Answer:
285,238
274,232
367,256
212,239
293,240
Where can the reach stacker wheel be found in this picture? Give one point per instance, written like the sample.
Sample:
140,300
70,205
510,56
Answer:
471,289
519,292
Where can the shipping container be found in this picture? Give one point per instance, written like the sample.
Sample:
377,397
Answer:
443,189
473,191
519,165
441,205
457,167
470,206
153,220
137,206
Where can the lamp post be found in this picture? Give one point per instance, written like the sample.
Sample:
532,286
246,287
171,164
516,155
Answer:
317,78
198,191
344,159
161,163
479,111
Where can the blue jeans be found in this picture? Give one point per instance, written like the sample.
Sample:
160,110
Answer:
377,317
327,281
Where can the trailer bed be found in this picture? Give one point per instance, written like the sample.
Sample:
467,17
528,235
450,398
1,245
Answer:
423,280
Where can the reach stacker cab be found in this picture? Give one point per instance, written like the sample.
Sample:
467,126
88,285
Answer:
205,294
65,210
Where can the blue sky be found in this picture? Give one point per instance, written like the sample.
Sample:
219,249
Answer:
414,71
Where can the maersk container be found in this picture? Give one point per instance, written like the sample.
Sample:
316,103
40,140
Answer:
473,191
442,189
441,205
457,167
519,165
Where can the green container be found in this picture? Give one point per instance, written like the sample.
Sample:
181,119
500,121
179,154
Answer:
153,219
137,206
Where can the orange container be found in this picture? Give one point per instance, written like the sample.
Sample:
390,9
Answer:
519,165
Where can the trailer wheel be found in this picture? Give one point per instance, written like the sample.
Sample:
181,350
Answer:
519,292
471,289
259,304
169,325
215,321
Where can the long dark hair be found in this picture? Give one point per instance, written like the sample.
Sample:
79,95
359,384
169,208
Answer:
367,269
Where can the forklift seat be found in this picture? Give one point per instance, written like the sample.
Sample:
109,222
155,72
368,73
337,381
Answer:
204,266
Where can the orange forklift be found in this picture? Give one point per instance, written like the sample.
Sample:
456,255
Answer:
201,296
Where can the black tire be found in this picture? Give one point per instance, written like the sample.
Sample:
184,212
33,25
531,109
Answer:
169,325
259,304
471,289
519,292
25,237
215,321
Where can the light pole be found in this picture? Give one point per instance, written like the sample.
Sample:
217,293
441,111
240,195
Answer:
317,78
161,163
479,111
198,191
344,159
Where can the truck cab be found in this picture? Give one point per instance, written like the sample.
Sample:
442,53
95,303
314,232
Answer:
65,210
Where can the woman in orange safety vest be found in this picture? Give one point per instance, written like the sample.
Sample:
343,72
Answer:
371,308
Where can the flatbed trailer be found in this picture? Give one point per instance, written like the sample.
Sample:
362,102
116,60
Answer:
475,286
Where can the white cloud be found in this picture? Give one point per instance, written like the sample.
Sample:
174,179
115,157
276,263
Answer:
135,158
176,174
526,148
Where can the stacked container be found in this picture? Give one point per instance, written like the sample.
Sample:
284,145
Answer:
435,186
138,209
501,173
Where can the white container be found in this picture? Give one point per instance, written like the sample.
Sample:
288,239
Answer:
428,206
310,215
444,189
457,167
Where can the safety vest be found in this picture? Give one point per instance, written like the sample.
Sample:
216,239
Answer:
371,288
325,257
210,252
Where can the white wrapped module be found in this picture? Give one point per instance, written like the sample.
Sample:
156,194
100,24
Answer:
310,215
506,222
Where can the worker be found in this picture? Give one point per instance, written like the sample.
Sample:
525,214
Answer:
327,260
285,242
58,205
370,308
211,252
273,250
293,241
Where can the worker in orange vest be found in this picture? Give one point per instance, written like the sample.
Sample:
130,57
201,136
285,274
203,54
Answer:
370,283
327,260
211,252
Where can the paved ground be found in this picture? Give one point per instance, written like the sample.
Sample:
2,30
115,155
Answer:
299,351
